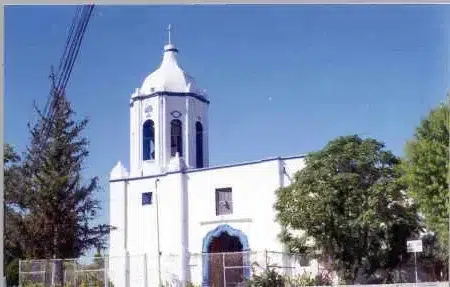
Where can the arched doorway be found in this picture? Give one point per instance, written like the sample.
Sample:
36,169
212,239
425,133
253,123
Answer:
225,253
225,256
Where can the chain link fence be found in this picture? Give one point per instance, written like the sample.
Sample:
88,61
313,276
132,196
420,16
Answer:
232,269
207,269
215,269
64,273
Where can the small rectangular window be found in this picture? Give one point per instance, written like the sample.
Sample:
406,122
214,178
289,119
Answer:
147,198
224,201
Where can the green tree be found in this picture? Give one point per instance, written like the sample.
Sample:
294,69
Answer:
431,258
59,203
426,167
9,155
13,223
349,205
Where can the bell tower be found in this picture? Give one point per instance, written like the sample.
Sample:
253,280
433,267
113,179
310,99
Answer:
168,120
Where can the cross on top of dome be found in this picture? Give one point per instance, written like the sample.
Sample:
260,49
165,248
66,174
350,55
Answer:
169,31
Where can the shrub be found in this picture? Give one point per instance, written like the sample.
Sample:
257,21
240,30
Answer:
323,279
269,278
306,279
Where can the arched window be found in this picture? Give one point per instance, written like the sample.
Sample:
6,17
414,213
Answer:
176,138
148,144
199,144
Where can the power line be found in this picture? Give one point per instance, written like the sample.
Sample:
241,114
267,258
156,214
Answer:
61,78
72,27
53,75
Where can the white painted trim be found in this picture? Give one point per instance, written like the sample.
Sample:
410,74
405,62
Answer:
230,220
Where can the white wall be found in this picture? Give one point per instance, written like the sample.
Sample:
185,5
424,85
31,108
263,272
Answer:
253,189
191,109
292,165
142,218
117,239
138,116
253,194
198,112
117,202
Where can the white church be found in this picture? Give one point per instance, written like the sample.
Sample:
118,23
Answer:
171,209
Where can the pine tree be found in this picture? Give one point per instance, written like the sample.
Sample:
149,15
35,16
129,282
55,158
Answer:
60,205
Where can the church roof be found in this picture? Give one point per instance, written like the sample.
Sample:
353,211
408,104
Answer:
169,77
301,156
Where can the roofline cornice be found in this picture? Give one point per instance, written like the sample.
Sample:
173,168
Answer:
170,94
193,170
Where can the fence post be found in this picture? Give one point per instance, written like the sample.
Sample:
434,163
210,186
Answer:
106,270
266,260
45,272
224,271
145,270
75,273
53,273
127,269
20,273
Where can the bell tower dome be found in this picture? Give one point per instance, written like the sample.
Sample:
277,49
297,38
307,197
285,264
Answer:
168,120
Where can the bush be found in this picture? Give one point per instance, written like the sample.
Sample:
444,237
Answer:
269,278
305,279
323,279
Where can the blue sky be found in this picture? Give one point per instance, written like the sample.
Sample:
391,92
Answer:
283,80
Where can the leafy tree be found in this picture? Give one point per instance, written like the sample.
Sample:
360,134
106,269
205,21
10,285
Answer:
426,169
431,258
59,205
348,205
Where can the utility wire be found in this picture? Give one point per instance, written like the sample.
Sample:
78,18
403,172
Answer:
61,78
54,75
83,26
72,27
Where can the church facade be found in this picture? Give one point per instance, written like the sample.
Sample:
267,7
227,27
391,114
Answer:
171,202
